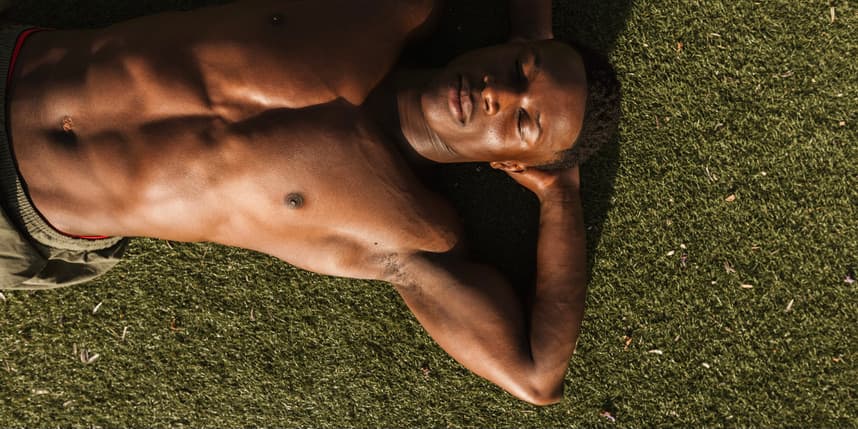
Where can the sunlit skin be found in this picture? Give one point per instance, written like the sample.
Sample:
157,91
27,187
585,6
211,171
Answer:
286,127
519,102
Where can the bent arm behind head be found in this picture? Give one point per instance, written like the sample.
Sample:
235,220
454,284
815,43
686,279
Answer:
476,316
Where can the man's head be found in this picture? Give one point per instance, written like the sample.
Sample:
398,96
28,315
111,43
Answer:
518,105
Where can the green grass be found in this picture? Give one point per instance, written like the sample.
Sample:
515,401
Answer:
759,103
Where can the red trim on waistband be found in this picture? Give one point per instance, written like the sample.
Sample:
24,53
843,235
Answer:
19,43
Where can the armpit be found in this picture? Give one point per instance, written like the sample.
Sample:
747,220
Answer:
395,273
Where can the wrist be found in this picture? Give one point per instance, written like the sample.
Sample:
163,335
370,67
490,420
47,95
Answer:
558,195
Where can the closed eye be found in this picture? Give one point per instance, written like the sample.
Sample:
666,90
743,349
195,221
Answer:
520,75
522,116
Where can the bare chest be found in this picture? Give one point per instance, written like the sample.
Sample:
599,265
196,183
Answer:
334,199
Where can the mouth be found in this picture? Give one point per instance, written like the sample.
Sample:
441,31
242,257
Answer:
460,102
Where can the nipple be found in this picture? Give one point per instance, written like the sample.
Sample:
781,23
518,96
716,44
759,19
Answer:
294,201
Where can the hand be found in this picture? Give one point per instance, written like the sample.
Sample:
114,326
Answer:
557,186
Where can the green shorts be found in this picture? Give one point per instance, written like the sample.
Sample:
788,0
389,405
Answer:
34,255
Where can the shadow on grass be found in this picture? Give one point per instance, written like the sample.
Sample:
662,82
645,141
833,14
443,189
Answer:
501,218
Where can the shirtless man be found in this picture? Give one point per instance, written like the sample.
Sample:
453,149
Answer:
285,127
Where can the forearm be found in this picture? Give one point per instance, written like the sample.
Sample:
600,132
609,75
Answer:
561,286
531,19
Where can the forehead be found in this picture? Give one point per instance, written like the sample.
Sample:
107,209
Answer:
557,93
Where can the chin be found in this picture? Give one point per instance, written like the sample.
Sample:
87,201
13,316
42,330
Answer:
436,112
433,103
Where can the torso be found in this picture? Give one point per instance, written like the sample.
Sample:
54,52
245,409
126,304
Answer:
239,124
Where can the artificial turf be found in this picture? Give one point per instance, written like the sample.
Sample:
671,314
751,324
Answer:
723,229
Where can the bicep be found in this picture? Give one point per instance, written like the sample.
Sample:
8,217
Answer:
473,314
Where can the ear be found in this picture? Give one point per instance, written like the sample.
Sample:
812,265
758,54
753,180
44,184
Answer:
509,166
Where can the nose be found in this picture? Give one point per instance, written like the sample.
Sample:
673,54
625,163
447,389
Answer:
496,96
490,96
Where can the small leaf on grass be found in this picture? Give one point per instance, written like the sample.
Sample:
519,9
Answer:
656,352
85,357
2,297
671,253
95,310
747,286
729,268
174,327
730,198
789,306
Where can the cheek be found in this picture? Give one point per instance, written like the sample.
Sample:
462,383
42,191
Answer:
494,137
480,141
434,106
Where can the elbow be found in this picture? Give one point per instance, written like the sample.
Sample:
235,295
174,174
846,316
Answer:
534,385
541,395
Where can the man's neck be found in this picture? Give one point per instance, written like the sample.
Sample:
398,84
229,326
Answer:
388,105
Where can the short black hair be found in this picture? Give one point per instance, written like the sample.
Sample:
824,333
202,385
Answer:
601,113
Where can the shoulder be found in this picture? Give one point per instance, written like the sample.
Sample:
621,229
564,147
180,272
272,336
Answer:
432,10
419,16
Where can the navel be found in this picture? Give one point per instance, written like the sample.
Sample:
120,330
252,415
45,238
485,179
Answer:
68,124
294,201
65,133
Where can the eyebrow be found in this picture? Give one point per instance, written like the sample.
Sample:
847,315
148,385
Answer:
537,60
537,65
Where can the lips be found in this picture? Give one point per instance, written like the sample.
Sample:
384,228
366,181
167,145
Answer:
460,101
